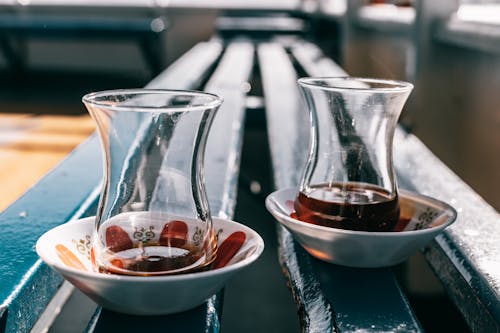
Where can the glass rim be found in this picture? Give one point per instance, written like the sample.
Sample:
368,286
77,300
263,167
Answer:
213,102
392,85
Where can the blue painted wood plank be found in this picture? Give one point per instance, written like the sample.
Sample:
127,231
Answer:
365,300
204,318
222,156
330,297
315,311
466,256
66,192
3,318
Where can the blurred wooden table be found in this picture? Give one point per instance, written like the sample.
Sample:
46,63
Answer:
31,145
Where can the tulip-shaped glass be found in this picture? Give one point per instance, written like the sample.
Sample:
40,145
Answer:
349,179
153,216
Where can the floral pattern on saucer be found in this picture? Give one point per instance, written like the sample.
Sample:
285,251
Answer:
60,248
173,232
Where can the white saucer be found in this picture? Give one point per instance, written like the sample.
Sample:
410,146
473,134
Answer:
425,216
66,249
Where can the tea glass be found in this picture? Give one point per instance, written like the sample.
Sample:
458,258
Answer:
349,180
153,216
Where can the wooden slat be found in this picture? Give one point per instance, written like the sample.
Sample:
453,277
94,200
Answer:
204,318
221,174
310,57
286,116
288,140
329,297
53,308
466,256
3,318
222,157
188,71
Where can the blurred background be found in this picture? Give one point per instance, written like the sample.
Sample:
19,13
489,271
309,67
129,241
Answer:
53,51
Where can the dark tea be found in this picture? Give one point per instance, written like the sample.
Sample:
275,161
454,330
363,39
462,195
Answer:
147,252
152,259
353,206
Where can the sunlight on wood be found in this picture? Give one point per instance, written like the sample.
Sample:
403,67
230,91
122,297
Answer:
30,146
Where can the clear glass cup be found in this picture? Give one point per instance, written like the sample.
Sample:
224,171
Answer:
349,180
153,216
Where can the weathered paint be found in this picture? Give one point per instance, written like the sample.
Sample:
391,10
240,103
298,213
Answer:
27,284
467,256
204,318
3,318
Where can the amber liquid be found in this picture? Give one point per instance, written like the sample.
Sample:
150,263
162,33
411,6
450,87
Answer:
153,259
353,206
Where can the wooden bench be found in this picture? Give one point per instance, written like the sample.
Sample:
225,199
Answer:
335,298
329,298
